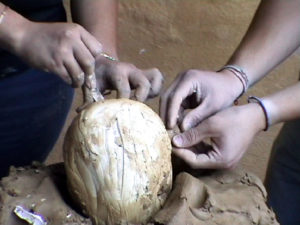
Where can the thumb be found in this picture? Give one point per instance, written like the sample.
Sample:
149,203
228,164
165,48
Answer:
195,116
191,137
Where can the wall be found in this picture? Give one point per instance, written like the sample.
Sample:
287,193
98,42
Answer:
175,35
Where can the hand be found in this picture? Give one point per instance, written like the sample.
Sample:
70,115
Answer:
65,49
230,131
204,92
124,77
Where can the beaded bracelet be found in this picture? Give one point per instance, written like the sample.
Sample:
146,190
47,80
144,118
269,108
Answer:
3,13
259,101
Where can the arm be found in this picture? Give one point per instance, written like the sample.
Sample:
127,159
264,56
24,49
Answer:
65,49
272,37
284,105
100,18
10,29
232,131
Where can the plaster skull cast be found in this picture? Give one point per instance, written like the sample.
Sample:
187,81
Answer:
118,162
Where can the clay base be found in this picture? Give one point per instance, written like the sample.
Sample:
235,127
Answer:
227,198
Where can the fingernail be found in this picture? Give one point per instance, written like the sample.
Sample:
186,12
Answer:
177,140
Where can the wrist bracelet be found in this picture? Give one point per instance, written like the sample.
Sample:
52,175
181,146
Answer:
240,71
3,13
259,101
240,74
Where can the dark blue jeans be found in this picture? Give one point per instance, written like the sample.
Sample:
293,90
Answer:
283,178
33,109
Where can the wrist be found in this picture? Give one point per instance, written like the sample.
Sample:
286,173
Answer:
269,109
12,30
235,86
272,111
258,119
240,75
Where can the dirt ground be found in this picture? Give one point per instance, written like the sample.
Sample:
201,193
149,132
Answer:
175,35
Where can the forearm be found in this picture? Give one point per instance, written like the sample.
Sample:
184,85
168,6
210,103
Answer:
11,29
284,105
274,34
99,17
279,107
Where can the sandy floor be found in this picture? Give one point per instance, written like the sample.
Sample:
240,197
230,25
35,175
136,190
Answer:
175,35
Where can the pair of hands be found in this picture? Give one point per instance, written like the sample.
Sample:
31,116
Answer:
192,100
198,102
71,52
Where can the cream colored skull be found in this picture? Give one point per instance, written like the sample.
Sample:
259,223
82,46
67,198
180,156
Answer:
118,162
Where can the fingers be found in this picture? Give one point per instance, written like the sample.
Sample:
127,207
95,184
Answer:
147,83
172,99
125,77
82,62
84,58
195,116
74,71
123,89
156,79
228,141
93,45
121,84
192,136
183,90
196,153
164,101
198,161
141,83
214,158
63,74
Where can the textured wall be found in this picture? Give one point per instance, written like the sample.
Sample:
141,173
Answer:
175,35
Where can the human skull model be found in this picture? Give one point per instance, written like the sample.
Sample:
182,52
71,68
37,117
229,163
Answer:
118,162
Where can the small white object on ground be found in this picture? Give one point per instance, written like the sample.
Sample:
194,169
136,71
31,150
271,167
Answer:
29,217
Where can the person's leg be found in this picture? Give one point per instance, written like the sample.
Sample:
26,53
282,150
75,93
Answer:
33,109
283,177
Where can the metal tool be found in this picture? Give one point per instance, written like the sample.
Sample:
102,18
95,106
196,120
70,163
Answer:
108,56
90,91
